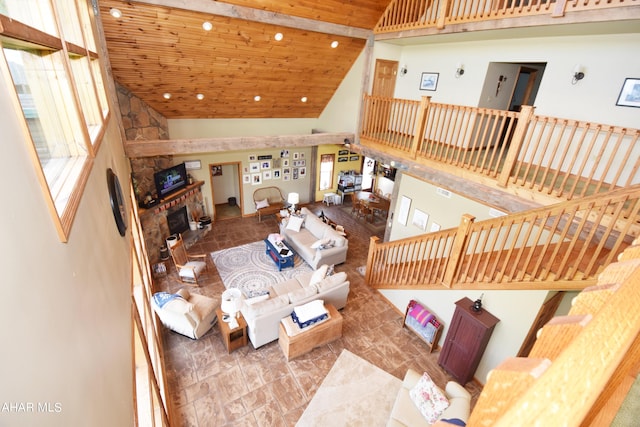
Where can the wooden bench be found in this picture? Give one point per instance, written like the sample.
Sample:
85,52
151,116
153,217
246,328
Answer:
273,196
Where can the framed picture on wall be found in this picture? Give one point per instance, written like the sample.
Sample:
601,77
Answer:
276,174
630,93
266,175
420,219
256,178
429,81
254,167
403,214
246,179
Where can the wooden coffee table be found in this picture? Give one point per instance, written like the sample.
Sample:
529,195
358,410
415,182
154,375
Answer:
305,341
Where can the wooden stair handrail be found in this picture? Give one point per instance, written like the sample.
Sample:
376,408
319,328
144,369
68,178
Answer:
468,257
576,387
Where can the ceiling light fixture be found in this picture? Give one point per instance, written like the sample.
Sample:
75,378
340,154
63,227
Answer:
200,96
257,98
334,44
303,99
116,13
207,26
278,36
166,95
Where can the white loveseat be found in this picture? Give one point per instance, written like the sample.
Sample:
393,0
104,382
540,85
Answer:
263,317
406,413
306,238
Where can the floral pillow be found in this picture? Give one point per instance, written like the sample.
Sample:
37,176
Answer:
429,399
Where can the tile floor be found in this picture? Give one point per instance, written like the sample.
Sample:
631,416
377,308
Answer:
258,387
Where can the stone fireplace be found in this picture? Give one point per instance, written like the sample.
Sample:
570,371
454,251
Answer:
171,214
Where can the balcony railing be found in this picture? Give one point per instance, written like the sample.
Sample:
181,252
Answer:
556,157
559,247
403,15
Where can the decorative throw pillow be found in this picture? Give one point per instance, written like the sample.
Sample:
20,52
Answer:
318,275
322,244
184,293
429,399
262,204
179,306
295,222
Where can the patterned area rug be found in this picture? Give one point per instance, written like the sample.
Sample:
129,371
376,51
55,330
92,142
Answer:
354,393
250,269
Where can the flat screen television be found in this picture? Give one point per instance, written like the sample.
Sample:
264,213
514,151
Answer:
170,180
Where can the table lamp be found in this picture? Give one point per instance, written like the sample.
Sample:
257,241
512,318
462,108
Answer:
230,304
293,199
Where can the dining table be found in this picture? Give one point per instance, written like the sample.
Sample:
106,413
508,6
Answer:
372,203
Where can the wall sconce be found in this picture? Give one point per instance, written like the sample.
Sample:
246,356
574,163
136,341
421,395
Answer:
403,70
459,70
578,74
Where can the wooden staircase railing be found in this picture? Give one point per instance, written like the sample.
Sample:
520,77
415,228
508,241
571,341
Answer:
581,366
563,246
553,157
402,15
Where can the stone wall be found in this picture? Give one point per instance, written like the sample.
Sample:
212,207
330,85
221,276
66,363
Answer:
141,122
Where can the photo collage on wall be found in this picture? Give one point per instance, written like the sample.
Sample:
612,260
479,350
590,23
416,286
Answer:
290,165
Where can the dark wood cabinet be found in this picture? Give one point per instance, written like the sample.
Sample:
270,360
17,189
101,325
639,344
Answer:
466,340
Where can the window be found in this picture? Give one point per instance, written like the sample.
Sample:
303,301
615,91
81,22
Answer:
326,171
58,83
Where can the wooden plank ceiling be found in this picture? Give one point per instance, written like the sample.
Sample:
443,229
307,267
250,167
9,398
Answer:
158,47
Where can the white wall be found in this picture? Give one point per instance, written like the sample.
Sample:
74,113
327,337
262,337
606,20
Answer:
607,61
516,310
446,212
300,185
65,307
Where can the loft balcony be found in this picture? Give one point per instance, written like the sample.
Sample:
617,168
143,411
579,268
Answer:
411,18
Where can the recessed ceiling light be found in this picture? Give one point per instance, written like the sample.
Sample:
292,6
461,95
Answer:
166,95
278,36
116,13
200,96
334,44
303,99
207,26
257,98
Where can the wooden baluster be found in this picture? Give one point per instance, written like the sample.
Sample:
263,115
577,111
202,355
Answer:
524,118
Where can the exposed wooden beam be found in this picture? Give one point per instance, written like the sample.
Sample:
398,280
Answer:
249,14
138,148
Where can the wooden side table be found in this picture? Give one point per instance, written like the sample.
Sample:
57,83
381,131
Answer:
307,340
233,338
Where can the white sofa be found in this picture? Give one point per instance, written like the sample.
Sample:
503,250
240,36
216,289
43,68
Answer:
406,413
191,314
312,231
263,317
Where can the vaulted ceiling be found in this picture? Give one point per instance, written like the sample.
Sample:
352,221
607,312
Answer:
160,47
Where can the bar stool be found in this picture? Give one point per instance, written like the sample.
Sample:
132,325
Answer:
329,198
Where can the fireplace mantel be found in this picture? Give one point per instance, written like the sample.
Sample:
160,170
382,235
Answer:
172,200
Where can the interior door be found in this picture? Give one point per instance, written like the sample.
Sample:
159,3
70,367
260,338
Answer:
384,86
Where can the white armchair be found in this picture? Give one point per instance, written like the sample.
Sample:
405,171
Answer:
191,315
